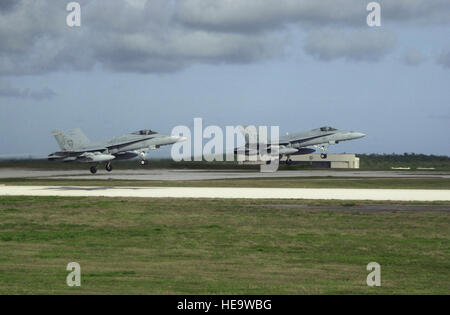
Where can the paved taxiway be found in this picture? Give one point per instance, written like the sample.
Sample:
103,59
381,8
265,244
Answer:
169,175
217,192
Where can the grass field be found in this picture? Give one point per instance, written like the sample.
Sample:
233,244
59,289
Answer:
285,182
188,246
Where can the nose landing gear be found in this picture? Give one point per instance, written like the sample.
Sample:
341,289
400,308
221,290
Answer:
93,169
323,155
143,154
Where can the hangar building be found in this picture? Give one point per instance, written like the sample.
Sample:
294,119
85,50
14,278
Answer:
332,160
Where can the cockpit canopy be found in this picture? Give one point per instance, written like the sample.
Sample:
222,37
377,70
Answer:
144,132
327,129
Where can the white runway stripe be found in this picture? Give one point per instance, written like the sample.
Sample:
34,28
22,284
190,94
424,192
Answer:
217,192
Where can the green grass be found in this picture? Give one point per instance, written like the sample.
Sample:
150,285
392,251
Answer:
282,182
188,246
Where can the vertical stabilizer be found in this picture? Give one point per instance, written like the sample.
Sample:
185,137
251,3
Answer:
247,130
79,138
75,140
62,140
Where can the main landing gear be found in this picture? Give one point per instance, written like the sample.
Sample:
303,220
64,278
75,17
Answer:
323,155
108,167
288,160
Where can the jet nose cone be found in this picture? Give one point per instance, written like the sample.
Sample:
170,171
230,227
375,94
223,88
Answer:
179,139
359,135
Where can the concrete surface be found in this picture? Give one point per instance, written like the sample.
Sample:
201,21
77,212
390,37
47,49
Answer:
246,193
168,175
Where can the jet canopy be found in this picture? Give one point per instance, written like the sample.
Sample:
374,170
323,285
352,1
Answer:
327,129
144,132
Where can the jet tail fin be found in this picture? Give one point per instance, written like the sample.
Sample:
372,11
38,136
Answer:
247,131
75,140
79,138
242,130
62,140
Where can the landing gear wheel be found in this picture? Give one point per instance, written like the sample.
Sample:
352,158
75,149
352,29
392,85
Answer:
93,169
143,162
323,156
288,161
108,167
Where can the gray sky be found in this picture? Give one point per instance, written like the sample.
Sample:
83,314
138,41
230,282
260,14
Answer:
299,64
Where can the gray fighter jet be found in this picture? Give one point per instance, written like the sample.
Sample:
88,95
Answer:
76,147
320,138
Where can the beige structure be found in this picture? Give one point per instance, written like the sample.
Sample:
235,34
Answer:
332,160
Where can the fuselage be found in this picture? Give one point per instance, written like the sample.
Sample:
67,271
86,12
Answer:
76,147
122,147
297,143
133,142
319,136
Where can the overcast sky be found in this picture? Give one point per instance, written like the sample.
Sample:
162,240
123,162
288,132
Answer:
154,64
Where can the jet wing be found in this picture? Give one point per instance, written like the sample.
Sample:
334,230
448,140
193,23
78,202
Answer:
126,142
77,152
281,142
70,156
326,143
94,149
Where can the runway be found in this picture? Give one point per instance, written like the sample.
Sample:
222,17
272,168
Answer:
182,175
235,193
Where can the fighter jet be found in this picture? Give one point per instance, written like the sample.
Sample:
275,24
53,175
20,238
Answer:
76,147
297,143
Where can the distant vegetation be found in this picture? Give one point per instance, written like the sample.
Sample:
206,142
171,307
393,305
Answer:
367,161
412,160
